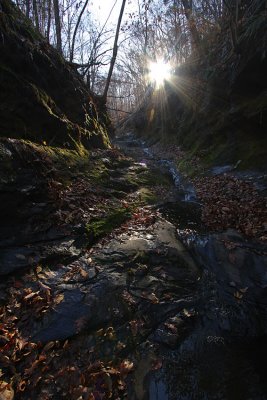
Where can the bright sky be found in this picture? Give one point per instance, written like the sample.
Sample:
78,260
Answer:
101,10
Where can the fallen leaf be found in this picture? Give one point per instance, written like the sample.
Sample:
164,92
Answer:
83,273
126,366
31,295
188,313
152,297
21,386
48,346
171,327
238,295
6,391
38,269
59,298
157,364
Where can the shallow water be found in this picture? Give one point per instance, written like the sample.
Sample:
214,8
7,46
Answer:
220,352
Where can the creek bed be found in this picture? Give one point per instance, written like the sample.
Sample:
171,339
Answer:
221,353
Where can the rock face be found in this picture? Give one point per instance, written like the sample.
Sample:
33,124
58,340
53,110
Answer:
29,233
42,98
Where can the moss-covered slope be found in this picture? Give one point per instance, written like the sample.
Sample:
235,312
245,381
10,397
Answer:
42,98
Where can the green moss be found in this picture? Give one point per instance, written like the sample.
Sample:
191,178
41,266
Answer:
249,150
149,178
65,162
146,196
101,227
252,154
122,162
45,100
186,167
99,172
94,127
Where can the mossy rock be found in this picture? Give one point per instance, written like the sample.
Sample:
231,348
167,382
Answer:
98,228
146,196
42,97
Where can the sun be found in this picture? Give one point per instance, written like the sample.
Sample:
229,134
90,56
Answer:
159,72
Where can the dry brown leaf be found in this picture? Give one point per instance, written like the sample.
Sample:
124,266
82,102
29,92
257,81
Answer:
83,273
152,297
126,366
59,298
48,346
6,391
238,295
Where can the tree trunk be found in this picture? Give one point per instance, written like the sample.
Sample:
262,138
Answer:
115,50
48,21
76,29
28,8
192,24
58,26
35,13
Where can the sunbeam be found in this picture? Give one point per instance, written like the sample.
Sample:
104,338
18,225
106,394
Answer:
159,72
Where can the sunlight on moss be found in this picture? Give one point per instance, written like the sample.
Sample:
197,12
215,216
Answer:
100,227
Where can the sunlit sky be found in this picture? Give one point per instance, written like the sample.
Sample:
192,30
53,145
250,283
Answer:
101,10
159,72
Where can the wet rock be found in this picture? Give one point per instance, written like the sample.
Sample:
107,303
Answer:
172,332
133,245
232,258
67,320
222,169
84,307
16,258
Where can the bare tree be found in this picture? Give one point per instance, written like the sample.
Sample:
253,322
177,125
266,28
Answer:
35,13
58,26
27,11
76,29
191,22
115,51
48,20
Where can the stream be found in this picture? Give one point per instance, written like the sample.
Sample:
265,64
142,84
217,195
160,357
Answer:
214,346
186,306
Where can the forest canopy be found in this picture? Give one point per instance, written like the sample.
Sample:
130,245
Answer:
169,31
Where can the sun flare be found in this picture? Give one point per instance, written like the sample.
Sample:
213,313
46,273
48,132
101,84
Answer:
159,72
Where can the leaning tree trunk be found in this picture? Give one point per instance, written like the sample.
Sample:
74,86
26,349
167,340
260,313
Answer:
48,21
58,26
28,8
36,16
76,29
115,51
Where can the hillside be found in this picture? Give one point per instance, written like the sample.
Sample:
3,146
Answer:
42,97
